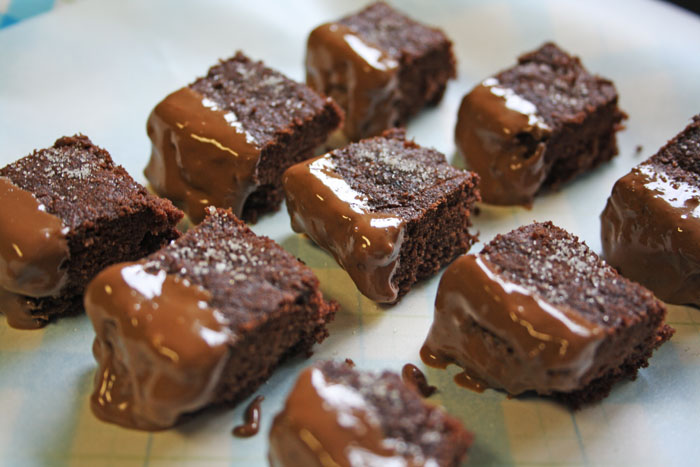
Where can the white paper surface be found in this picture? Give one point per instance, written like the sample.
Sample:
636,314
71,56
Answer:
98,67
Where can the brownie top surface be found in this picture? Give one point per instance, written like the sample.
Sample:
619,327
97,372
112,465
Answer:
401,412
397,176
395,33
557,84
249,277
680,157
549,261
77,181
264,101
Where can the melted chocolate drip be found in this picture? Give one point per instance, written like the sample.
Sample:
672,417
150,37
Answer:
251,426
412,375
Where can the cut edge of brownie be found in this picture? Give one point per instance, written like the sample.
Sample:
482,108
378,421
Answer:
268,196
438,236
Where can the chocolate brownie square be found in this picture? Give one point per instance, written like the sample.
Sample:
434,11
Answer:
225,139
380,66
67,212
651,223
203,321
390,212
536,125
336,415
537,310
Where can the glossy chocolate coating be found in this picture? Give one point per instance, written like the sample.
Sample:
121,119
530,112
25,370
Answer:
160,347
338,218
651,232
201,154
553,346
33,246
33,254
492,123
361,77
328,424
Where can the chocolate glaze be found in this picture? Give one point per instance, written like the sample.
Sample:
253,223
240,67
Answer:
201,154
252,420
412,375
33,254
493,123
554,347
327,424
471,382
159,345
651,233
463,378
338,218
361,77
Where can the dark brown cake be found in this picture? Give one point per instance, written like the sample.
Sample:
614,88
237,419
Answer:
204,320
537,310
66,212
380,66
336,415
225,139
651,224
537,125
391,212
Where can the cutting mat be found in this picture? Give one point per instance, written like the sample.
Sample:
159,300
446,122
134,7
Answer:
98,67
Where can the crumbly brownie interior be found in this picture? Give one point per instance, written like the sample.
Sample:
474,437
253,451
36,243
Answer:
680,157
286,119
110,218
418,185
271,301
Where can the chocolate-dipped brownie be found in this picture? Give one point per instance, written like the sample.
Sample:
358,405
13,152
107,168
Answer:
537,125
651,223
225,139
390,212
66,212
204,320
380,66
537,310
336,415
